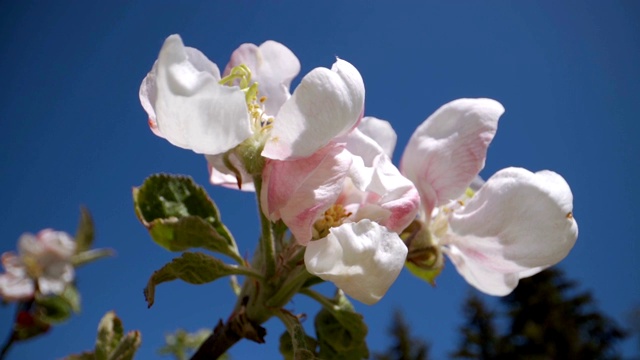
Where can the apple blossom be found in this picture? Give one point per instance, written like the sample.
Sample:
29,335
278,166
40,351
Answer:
43,265
188,106
517,223
347,203
193,107
273,66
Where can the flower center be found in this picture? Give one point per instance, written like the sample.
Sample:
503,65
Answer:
33,267
333,217
241,75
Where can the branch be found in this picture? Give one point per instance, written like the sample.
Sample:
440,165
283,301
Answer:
225,335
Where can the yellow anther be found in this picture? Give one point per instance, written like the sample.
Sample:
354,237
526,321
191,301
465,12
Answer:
263,99
333,217
570,215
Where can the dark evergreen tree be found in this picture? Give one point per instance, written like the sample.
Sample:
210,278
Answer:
546,319
480,338
405,346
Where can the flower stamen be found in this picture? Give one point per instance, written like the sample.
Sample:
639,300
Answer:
255,105
333,217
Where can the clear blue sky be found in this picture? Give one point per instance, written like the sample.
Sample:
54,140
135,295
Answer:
73,132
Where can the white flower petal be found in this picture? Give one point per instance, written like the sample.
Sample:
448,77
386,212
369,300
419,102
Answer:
363,259
381,132
13,265
448,150
517,224
366,151
56,278
192,110
148,95
15,288
273,66
326,104
482,278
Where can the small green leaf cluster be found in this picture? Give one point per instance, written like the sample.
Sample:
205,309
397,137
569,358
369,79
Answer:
180,217
340,332
111,342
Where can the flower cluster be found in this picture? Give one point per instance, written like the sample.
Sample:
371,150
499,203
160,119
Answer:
43,264
325,171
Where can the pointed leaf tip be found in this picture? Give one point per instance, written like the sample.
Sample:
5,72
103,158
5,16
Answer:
85,231
193,268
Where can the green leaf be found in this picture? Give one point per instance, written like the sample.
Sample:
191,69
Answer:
194,268
85,232
295,344
90,256
72,297
127,346
110,332
112,343
341,331
180,215
53,309
190,232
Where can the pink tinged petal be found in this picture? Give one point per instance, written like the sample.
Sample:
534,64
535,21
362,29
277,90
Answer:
481,277
448,150
326,104
299,191
396,193
58,243
387,190
517,224
381,132
220,174
192,110
273,66
14,288
15,285
13,265
363,259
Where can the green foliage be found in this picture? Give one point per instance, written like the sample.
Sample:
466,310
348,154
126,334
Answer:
112,343
194,268
480,336
295,344
84,237
180,215
341,331
405,346
547,319
85,233
54,309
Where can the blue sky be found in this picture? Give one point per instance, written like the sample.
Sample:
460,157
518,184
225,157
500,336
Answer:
74,133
